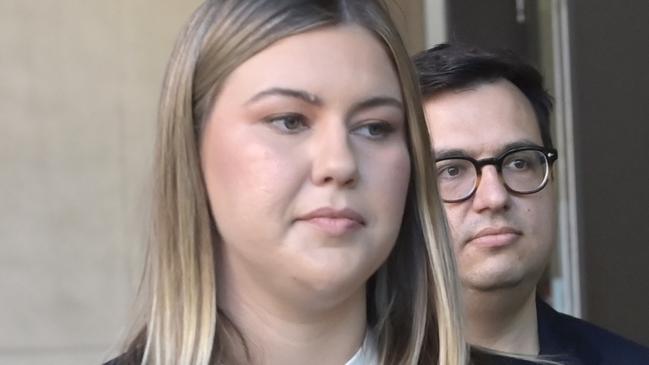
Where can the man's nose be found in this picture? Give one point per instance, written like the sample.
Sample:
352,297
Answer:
491,192
334,159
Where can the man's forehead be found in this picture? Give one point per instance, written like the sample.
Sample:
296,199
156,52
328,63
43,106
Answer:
483,120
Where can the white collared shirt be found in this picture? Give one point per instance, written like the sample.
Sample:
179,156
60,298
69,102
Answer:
367,354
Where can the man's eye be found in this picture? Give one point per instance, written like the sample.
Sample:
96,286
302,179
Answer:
518,164
375,130
451,171
289,123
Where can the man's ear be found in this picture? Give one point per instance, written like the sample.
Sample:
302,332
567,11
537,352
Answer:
552,169
552,180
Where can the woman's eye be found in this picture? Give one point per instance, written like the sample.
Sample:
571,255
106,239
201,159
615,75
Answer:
289,123
376,130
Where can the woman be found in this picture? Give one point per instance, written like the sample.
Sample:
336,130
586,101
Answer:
295,217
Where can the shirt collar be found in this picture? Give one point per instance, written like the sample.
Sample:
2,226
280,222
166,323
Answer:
367,354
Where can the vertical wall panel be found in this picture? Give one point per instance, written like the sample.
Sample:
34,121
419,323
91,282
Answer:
610,59
79,82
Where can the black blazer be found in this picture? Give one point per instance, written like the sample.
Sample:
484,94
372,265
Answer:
572,341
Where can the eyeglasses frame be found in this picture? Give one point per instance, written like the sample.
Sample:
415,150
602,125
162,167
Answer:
550,154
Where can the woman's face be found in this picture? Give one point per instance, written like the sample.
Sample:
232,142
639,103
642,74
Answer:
306,167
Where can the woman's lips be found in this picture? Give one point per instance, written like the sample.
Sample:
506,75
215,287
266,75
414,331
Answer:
334,222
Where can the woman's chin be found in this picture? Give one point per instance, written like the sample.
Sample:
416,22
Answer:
325,286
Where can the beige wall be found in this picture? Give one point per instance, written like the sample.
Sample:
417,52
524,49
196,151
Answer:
79,82
409,18
421,22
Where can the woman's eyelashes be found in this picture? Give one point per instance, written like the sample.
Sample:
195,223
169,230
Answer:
289,123
293,123
375,130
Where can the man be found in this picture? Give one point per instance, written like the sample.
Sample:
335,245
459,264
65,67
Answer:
488,116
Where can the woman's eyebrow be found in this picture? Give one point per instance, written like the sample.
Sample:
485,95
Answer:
282,91
372,102
376,101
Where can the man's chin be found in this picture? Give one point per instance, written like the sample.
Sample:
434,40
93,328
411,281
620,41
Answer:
493,281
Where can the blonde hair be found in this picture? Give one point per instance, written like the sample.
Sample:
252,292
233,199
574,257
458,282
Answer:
413,303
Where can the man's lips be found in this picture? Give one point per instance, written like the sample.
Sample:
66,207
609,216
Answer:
333,221
495,237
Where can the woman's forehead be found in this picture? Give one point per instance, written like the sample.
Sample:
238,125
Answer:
322,61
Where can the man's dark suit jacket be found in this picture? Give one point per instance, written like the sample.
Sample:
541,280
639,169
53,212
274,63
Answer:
572,341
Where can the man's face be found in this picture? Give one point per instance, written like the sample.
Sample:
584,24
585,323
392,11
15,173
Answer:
501,239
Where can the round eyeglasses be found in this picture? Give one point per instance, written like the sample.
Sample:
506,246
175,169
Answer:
523,170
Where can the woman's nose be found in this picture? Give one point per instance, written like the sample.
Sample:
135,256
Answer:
334,160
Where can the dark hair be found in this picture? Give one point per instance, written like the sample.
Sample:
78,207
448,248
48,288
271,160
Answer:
454,67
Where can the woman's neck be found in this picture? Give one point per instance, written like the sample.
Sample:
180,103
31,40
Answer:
284,334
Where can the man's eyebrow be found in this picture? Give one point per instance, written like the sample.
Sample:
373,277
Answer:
376,101
519,144
449,153
458,152
291,93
